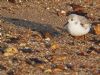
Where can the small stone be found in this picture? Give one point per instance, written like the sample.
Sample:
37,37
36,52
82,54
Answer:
57,1
97,51
85,72
47,8
10,72
14,60
33,61
49,57
11,39
82,66
97,29
37,36
11,50
42,19
22,44
2,49
2,67
53,65
61,13
0,34
81,53
26,50
47,42
48,71
70,66
57,70
90,49
54,46
15,1
0,21
93,50
97,72
97,42
81,72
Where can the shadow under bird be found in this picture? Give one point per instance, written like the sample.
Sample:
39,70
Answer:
41,28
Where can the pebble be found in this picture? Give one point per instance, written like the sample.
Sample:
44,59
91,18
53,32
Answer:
2,67
61,13
2,50
0,34
14,60
93,49
26,50
97,29
47,42
33,61
15,1
82,66
11,50
70,66
48,71
10,72
53,65
12,40
48,8
81,53
97,72
90,49
57,70
83,72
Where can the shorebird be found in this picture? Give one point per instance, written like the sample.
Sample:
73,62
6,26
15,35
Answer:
77,25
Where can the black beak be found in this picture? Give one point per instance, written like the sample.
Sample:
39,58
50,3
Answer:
65,27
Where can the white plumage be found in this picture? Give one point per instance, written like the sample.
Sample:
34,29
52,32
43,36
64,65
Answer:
77,25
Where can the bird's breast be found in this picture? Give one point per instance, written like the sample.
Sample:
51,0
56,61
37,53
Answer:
77,30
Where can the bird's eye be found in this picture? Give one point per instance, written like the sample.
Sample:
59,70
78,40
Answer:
71,19
82,24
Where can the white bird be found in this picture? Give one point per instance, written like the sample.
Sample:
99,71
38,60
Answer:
77,25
